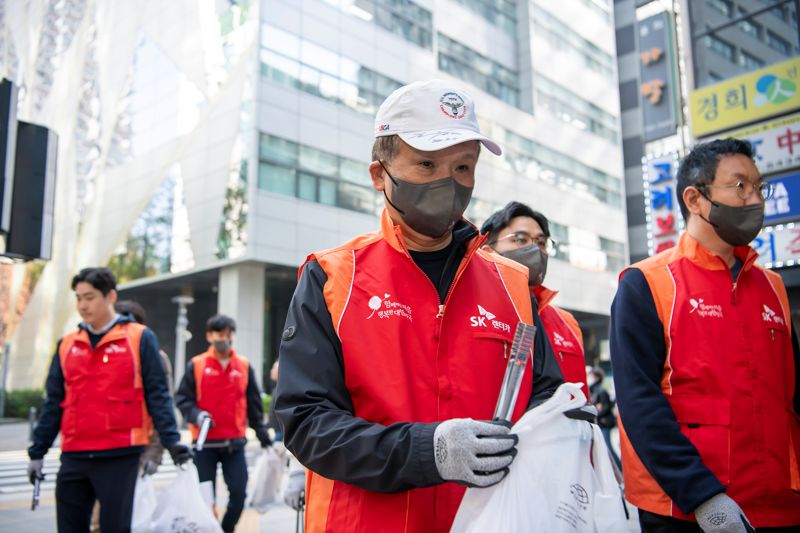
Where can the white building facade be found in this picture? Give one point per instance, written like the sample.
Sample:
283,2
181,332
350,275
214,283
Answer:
234,140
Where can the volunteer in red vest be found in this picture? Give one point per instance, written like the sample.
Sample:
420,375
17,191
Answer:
396,342
220,385
106,389
706,364
523,235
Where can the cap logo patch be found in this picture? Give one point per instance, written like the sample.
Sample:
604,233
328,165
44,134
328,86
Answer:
452,105
383,127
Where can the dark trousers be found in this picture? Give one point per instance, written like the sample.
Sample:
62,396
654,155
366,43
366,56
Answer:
110,480
234,472
607,437
656,523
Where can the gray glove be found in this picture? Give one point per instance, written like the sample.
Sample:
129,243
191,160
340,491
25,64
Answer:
149,467
720,514
201,416
473,453
35,467
294,496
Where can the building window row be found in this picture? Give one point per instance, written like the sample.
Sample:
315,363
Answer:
562,37
472,67
529,158
501,13
575,110
298,63
404,18
293,169
601,7
755,29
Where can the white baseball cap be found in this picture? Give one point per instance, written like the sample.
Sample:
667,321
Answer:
431,115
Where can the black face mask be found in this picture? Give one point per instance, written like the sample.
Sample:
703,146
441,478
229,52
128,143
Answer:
222,346
432,208
532,257
737,226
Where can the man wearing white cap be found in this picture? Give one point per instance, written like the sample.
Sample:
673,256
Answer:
396,342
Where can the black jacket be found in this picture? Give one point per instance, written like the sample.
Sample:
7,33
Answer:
156,395
314,408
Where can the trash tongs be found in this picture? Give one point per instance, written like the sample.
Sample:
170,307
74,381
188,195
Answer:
517,359
36,488
201,438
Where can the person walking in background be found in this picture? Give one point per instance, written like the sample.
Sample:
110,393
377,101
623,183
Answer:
106,389
605,408
706,364
220,386
523,235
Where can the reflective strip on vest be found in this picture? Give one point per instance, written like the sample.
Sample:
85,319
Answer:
104,405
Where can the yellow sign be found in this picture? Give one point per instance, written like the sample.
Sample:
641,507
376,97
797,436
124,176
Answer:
746,98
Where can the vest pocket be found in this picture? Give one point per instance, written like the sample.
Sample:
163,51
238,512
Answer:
125,409
706,422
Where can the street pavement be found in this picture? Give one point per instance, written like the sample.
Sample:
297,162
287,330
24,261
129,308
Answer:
15,490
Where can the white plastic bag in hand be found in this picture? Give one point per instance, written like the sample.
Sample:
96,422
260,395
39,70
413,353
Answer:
265,483
181,506
144,505
552,486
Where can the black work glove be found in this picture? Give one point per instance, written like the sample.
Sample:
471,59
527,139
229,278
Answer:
180,453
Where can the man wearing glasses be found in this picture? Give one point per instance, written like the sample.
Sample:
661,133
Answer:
706,364
523,235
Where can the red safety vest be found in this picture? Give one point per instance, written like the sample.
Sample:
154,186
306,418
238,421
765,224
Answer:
565,337
104,404
729,377
223,393
408,359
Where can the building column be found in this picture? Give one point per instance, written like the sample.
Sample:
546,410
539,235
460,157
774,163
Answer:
241,296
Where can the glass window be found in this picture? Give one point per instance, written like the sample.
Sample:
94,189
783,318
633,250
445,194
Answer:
307,187
280,41
320,58
749,27
750,62
327,191
276,179
723,6
355,197
280,69
353,171
778,43
719,46
318,161
277,149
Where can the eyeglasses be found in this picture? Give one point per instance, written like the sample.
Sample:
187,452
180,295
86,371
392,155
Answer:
523,238
744,189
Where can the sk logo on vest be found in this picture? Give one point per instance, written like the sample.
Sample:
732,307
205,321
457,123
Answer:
561,342
705,310
485,318
113,348
770,316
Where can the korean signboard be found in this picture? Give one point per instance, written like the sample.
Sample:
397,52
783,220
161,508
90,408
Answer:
784,205
760,94
657,75
776,143
662,212
778,246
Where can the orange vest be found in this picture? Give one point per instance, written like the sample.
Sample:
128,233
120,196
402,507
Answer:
729,378
565,337
409,359
104,405
223,393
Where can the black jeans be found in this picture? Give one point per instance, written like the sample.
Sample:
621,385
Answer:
110,480
234,472
656,523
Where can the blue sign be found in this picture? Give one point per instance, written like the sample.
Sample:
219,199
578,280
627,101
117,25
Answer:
785,202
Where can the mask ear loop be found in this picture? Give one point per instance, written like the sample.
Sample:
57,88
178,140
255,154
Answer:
712,202
384,189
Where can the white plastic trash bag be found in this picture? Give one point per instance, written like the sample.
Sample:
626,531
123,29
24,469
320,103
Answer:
552,486
181,506
265,483
144,505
